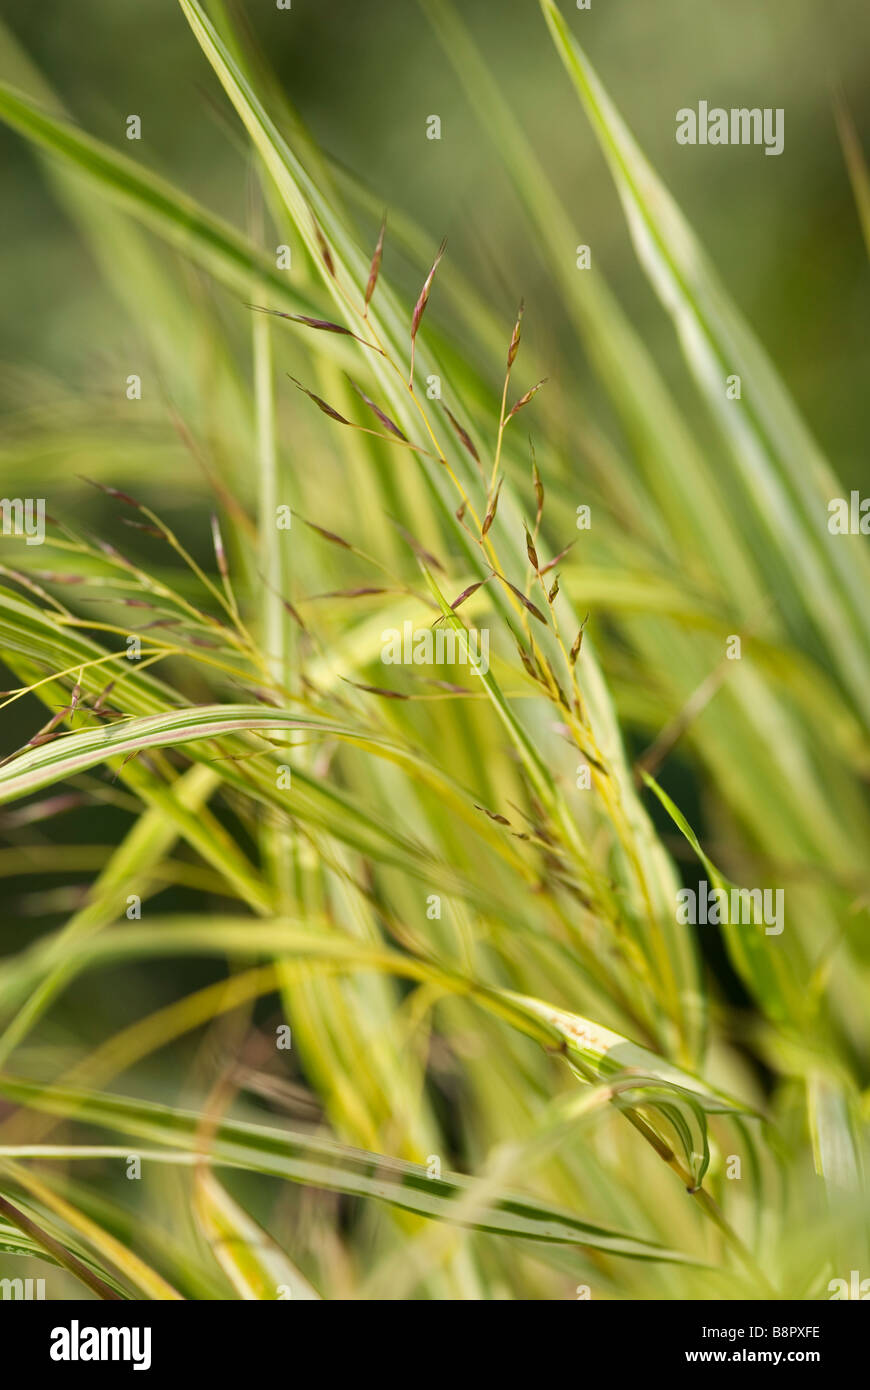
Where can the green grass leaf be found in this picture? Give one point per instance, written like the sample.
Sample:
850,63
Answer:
787,483
321,1162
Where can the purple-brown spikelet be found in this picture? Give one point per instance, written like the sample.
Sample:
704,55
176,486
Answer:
491,510
113,492
288,608
103,696
322,325
324,248
143,526
362,592
530,550
327,535
560,694
551,564
524,400
320,403
466,593
379,690
515,336
528,664
463,434
539,486
376,264
426,556
285,602
384,419
578,642
420,306
526,602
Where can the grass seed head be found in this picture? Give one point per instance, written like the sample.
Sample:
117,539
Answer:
422,301
376,263
515,337
524,400
463,434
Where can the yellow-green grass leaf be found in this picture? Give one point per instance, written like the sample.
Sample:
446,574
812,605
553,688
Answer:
318,1161
255,1264
763,968
787,482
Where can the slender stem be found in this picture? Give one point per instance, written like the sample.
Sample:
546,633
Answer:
274,624
59,1252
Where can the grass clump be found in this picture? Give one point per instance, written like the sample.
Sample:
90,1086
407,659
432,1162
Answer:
409,935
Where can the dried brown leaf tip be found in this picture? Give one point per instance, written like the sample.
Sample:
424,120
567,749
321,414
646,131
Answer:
524,400
463,434
420,306
491,510
578,641
384,419
376,264
515,336
321,404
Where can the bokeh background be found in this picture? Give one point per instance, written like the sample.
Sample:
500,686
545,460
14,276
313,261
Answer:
782,231
783,234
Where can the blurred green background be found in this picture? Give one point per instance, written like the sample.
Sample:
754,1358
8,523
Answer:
782,231
783,234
